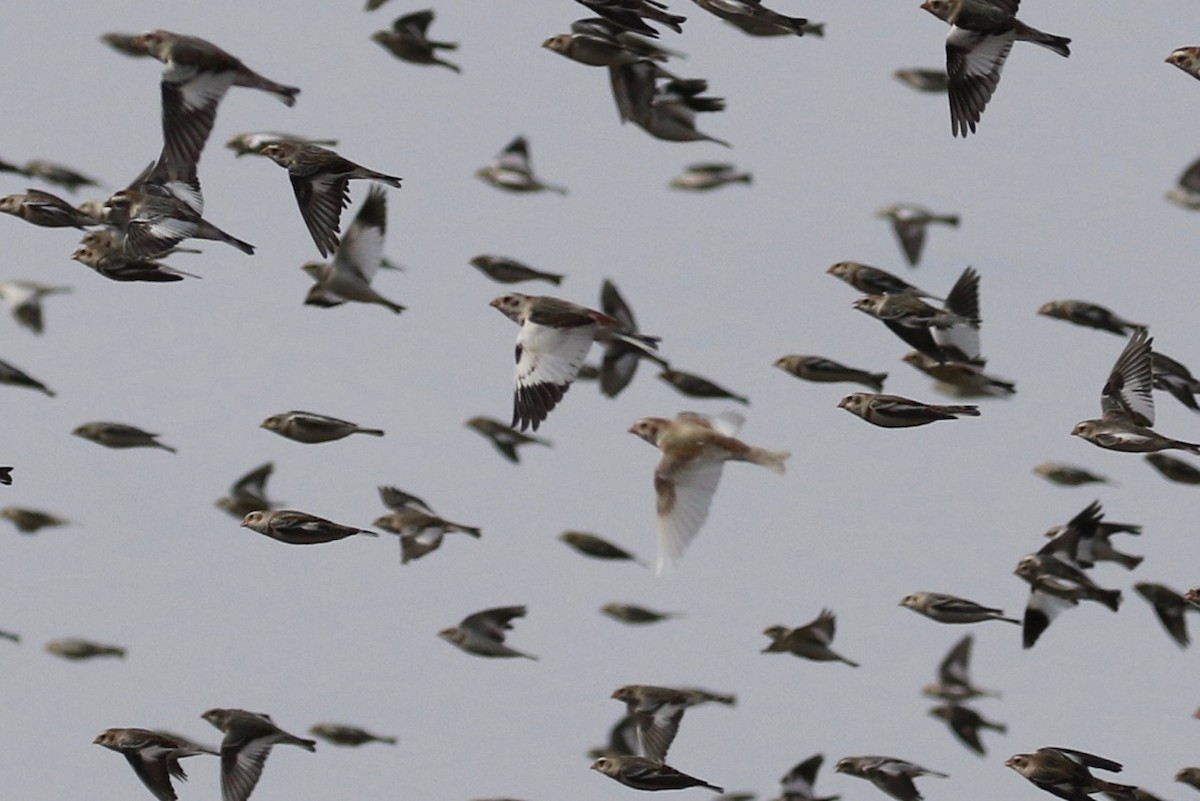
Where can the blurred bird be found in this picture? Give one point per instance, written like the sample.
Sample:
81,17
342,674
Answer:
1174,469
1068,475
554,339
630,14
248,739
647,774
408,40
662,104
965,724
946,608
57,174
619,363
16,377
1088,315
981,35
798,783
822,370
1186,192
909,222
694,451
45,210
1055,585
1175,378
512,170
119,435
947,334
597,42
954,679
359,255
251,143
154,756
126,44
320,180
874,281
622,739
1128,406
398,500
505,439
893,411
420,532
657,711
960,379
810,641
596,547
1189,776
752,17
1064,772
1086,539
104,251
76,649
482,633
312,428
504,270
1169,606
708,175
249,493
196,76
893,776
697,386
923,80
635,615
299,528
341,734
31,521
24,299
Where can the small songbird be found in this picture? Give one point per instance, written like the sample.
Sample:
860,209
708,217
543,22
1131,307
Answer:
420,532
954,678
75,649
697,386
512,171
1174,469
196,76
798,784
24,299
505,439
965,724
752,17
1086,539
251,143
504,270
358,258
823,370
593,546
30,521
299,528
46,210
810,641
248,739
1169,606
1128,405
694,451
482,633
554,339
874,281
320,180
14,376
960,379
947,334
620,361
1054,586
1064,772
57,174
408,40
893,411
1088,315
154,756
598,42
909,222
311,428
1068,475
119,435
946,608
893,776
1175,378
635,615
923,80
657,711
1187,59
647,774
103,250
982,33
706,176
342,734
249,493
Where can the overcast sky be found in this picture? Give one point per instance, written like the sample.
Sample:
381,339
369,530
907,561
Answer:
1060,194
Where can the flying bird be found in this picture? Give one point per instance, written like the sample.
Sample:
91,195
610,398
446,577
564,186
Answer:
154,756
909,223
641,773
893,776
248,739
946,608
299,528
482,633
311,428
810,641
512,171
1064,772
408,40
358,258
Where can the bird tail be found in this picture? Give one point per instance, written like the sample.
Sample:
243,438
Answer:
876,380
1127,560
1059,44
1110,598
968,410
374,432
772,460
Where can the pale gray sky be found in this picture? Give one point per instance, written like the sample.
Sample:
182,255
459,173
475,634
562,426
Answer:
1060,194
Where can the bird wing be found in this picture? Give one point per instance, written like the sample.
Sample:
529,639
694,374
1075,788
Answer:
684,484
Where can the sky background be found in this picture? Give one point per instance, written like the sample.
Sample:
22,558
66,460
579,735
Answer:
1061,196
